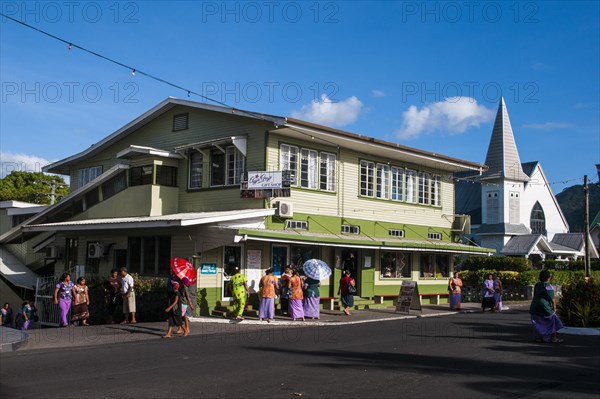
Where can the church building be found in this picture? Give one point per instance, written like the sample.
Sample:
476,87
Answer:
511,204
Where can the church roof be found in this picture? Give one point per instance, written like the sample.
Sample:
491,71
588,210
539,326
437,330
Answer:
569,240
529,167
502,157
525,244
468,196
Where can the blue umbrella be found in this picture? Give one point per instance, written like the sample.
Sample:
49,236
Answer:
317,269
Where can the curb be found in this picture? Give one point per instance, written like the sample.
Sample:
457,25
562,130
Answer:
12,339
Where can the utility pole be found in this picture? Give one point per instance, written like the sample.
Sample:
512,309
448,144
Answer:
586,226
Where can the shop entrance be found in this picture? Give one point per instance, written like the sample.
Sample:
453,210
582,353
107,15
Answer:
232,258
350,262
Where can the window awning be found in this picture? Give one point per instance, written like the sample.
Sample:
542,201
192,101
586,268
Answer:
334,240
238,141
16,272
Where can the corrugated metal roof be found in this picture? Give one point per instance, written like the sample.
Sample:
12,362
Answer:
15,271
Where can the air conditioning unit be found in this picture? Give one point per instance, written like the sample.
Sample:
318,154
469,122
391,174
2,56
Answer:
285,209
52,252
95,250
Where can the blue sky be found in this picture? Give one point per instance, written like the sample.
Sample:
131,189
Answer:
424,74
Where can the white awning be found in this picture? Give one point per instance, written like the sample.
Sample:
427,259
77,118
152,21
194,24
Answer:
238,141
16,272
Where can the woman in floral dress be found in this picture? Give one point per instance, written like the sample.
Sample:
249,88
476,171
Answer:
239,286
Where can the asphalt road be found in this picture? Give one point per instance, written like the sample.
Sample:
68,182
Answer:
460,356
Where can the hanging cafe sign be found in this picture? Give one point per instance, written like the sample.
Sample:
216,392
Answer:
261,184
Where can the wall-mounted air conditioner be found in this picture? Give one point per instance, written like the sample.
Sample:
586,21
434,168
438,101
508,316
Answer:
95,250
285,209
52,252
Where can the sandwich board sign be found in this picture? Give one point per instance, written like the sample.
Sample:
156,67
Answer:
408,298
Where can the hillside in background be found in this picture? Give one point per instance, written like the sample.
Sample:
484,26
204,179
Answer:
571,202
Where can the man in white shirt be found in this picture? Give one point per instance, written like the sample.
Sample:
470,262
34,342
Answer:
128,296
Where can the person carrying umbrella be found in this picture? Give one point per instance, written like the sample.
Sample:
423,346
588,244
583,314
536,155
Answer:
315,270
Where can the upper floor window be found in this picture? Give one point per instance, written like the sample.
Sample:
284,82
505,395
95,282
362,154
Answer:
235,165
196,160
288,160
424,187
411,186
308,168
180,122
436,188
327,175
397,184
141,175
166,175
86,175
383,181
367,171
114,185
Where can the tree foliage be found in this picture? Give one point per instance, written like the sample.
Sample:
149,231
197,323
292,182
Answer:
571,201
33,187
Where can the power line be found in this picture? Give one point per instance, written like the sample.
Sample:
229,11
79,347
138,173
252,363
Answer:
133,70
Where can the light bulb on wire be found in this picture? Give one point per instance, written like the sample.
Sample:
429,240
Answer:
133,72
70,46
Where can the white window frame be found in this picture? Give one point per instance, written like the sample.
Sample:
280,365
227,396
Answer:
410,186
424,187
436,189
396,233
434,236
234,166
397,182
296,225
382,189
327,171
308,168
350,229
86,175
288,160
196,170
367,179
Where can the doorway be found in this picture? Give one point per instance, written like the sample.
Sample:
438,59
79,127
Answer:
350,262
232,258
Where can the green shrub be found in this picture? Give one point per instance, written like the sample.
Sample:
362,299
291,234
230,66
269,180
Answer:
145,284
499,263
579,305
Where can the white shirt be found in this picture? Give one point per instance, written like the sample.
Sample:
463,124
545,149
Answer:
127,282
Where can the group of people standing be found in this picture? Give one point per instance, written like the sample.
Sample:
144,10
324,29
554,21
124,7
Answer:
74,298
492,294
24,319
299,296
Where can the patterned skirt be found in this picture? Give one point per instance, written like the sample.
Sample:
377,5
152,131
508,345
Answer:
79,312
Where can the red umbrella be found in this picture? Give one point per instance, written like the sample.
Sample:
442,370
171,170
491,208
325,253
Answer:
184,270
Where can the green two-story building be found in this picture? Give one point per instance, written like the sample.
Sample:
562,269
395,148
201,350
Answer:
229,188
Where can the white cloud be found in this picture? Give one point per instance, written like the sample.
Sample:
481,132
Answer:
327,112
453,115
548,126
21,162
378,93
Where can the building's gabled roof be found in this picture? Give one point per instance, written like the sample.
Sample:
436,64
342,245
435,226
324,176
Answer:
12,269
502,158
573,242
529,167
62,166
16,231
503,229
280,124
570,240
524,245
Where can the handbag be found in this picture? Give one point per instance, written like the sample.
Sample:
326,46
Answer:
351,289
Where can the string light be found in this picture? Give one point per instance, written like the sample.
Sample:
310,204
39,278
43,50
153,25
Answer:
70,46
133,73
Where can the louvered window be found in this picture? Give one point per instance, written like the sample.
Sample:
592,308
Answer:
180,122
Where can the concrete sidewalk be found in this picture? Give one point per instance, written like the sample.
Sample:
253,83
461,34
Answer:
76,336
